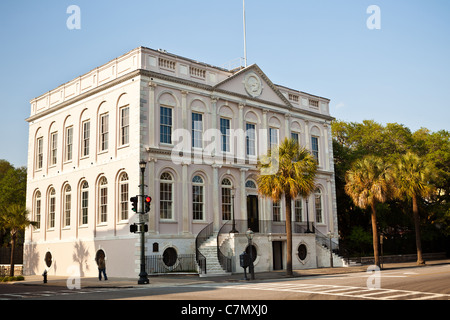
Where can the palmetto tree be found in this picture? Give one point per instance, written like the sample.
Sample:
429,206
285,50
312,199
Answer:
292,175
411,178
368,182
15,219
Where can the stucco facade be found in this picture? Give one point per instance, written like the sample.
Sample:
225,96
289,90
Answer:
190,121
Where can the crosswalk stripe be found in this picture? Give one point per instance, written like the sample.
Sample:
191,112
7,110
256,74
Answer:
355,292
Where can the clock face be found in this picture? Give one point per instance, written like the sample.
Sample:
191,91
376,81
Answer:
253,85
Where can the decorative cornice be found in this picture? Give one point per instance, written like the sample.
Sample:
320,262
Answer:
155,75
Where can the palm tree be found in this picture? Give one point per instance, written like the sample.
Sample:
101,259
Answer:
411,178
15,219
368,182
294,175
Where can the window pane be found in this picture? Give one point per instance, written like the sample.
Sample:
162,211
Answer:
166,125
197,130
86,136
225,132
251,139
124,126
315,147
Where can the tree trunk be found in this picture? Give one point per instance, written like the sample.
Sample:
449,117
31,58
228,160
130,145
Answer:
420,260
376,254
288,236
13,245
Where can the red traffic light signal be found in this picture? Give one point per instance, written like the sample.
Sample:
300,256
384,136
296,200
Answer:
147,201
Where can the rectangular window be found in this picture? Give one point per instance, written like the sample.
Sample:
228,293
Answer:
225,134
104,132
198,202
86,137
124,126
166,125
298,210
197,130
68,203
103,204
166,201
273,138
226,204
318,202
38,213
124,201
39,153
51,211
84,207
294,136
54,148
251,139
276,211
315,148
69,144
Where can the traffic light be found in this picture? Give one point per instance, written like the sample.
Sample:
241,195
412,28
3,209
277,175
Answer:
134,203
147,201
133,228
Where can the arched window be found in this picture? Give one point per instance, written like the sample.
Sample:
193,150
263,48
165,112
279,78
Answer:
318,206
198,198
226,199
166,196
123,196
67,200
84,205
250,184
103,200
51,208
37,210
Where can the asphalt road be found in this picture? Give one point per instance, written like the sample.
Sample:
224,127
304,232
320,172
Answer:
430,283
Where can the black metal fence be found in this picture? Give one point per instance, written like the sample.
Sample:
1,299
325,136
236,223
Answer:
181,263
5,255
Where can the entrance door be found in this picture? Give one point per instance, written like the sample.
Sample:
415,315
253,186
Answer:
277,251
252,213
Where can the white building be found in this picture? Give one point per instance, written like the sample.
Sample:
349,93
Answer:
86,139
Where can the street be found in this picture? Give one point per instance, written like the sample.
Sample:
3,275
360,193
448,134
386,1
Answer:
420,283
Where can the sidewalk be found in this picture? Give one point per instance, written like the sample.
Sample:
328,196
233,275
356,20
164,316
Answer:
190,279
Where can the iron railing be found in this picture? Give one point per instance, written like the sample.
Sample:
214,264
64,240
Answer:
204,235
183,263
266,226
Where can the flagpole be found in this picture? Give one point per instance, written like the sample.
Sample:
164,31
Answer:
245,38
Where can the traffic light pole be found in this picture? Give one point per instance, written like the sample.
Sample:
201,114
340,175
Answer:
143,277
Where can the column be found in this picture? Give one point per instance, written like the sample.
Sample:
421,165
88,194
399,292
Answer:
151,192
243,195
307,136
184,113
185,191
325,142
151,115
216,211
287,126
241,143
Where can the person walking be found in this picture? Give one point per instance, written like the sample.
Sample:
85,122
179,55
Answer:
102,268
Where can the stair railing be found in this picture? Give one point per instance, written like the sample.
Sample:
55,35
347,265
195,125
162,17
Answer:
204,235
224,260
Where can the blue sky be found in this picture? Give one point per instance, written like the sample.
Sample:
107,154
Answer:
400,73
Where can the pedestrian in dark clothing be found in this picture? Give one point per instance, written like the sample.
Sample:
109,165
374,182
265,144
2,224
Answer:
102,268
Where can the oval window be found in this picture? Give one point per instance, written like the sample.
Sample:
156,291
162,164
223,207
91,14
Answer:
48,259
170,257
302,251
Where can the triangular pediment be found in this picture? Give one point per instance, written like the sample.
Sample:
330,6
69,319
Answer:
253,83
